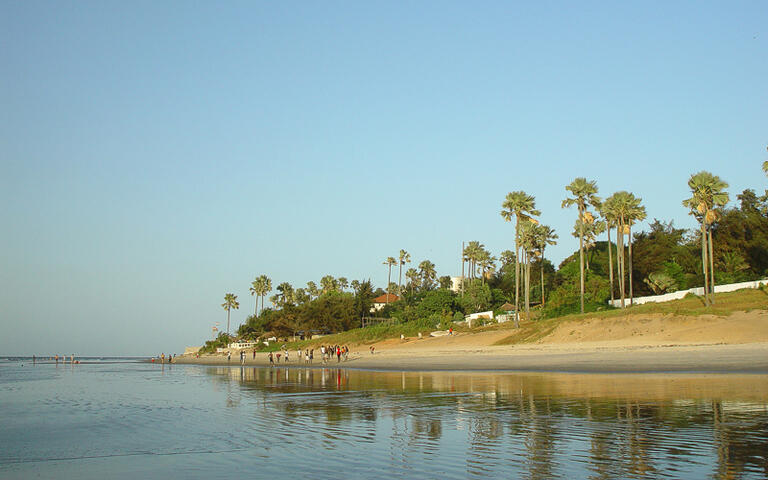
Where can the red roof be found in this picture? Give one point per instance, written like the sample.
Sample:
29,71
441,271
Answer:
383,298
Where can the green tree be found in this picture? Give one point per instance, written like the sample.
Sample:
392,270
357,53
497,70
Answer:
522,207
343,283
404,258
254,289
707,194
584,194
472,254
312,290
413,277
264,287
626,209
286,294
389,262
545,235
230,302
328,284
428,274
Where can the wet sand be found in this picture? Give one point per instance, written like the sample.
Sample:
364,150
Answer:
742,358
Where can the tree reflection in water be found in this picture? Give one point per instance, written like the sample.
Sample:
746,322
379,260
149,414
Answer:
530,425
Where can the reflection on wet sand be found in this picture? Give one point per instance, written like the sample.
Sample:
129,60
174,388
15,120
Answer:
607,426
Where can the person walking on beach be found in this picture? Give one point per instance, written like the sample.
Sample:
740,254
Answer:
242,357
229,356
162,358
271,360
338,354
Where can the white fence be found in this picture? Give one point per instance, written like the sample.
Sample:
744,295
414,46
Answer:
731,287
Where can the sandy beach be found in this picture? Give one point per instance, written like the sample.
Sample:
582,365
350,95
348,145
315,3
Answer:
641,344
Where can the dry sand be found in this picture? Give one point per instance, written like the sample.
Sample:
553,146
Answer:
632,343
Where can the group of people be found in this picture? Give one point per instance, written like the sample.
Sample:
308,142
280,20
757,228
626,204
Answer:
308,356
162,358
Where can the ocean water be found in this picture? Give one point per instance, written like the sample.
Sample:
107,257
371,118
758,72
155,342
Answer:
112,418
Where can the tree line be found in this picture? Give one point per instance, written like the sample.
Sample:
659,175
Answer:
730,244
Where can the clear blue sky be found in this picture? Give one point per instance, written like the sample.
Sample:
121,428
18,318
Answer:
156,155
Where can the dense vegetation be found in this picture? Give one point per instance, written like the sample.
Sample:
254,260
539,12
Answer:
730,245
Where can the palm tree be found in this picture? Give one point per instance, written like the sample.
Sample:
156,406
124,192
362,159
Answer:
636,214
230,302
405,257
707,194
528,244
343,283
584,194
545,235
264,287
389,262
312,290
610,220
355,284
625,208
590,231
522,207
286,293
471,254
427,273
413,277
328,284
254,289
487,264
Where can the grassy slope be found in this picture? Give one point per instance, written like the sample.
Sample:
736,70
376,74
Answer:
725,304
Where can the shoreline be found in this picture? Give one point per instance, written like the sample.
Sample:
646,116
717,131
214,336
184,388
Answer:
749,358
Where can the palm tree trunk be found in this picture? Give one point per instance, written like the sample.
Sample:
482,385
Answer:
581,261
227,322
527,287
400,278
704,264
711,267
620,259
517,264
256,306
542,277
389,277
631,299
610,261
262,302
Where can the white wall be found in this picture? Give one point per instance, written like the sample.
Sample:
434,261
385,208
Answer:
732,287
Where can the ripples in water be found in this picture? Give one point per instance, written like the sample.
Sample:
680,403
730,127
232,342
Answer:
133,420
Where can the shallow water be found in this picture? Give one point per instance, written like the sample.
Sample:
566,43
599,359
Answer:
139,420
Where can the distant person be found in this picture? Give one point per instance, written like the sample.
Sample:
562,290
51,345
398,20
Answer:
450,330
57,359
72,358
278,358
229,356
311,355
271,360
162,357
34,359
338,354
254,354
372,349
242,357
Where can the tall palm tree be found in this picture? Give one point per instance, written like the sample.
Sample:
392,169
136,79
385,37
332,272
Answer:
625,208
584,194
405,257
265,286
230,302
471,254
328,284
389,262
610,220
286,293
413,277
355,284
636,214
312,289
343,283
528,244
522,207
545,235
427,273
254,289
708,193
